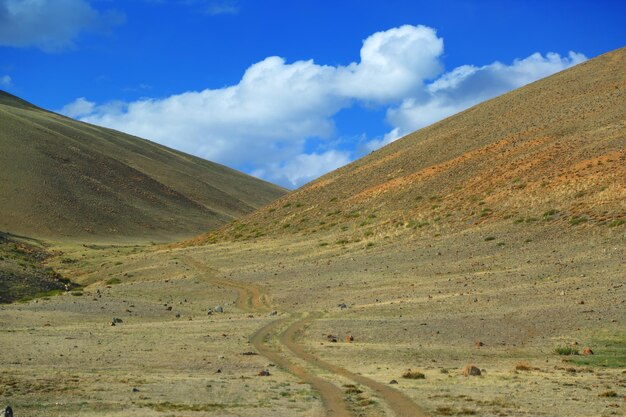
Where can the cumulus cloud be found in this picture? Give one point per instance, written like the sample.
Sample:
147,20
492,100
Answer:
78,108
277,121
468,85
6,81
50,25
265,122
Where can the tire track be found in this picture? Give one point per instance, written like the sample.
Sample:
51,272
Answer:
252,298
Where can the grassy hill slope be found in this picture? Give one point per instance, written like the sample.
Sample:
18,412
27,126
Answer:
60,177
551,152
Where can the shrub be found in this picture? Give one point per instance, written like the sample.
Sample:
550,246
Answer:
413,375
566,350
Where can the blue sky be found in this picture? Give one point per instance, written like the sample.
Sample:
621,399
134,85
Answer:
284,90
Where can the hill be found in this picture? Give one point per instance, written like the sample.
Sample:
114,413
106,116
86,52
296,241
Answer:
551,152
64,178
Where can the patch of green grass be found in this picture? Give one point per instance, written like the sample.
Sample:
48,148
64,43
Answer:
608,353
43,294
77,293
566,350
341,242
114,281
616,223
322,244
576,220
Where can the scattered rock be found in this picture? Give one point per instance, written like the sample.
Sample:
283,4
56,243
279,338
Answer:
393,382
349,338
169,308
273,313
342,306
116,320
135,389
471,370
587,351
8,412
478,343
249,353
218,309
177,315
264,372
209,312
219,371
581,302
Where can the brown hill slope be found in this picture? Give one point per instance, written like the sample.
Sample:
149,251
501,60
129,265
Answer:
60,177
553,151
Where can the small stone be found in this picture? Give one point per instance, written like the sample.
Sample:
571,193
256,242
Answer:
218,309
273,313
471,370
135,389
264,372
393,382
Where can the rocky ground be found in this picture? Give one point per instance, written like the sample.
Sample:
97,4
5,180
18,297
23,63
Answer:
427,303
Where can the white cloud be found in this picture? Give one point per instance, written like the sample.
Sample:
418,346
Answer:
468,85
304,167
78,108
6,81
263,122
277,121
51,25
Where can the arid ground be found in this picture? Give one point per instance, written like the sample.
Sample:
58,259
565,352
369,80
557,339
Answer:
415,301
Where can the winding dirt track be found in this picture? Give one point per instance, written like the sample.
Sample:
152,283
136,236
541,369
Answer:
251,298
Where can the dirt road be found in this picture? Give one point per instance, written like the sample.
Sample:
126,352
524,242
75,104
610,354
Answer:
284,331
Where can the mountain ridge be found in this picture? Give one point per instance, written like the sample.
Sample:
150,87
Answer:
554,146
55,168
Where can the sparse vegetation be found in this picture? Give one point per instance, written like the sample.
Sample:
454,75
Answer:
566,350
576,220
409,374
